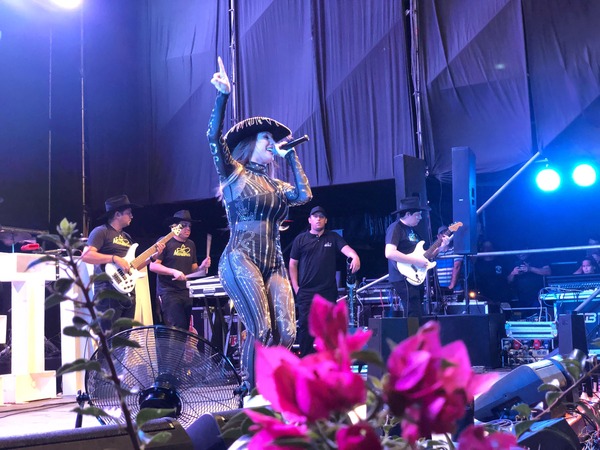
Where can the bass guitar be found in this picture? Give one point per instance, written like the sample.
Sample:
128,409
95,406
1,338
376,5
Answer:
416,275
125,282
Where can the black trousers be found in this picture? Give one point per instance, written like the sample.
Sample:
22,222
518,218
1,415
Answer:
303,303
411,297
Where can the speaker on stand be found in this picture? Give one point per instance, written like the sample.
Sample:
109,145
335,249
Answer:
464,208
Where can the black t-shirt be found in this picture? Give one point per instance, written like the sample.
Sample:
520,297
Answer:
405,239
109,241
176,255
527,285
490,279
316,256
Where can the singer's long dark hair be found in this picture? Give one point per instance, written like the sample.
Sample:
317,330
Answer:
242,153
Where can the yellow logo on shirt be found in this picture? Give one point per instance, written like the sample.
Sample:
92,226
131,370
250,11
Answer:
182,251
121,240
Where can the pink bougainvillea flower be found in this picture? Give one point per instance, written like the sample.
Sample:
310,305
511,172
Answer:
360,436
269,428
329,389
306,389
276,369
328,323
428,385
477,437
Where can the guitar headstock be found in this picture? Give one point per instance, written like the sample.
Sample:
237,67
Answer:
455,226
176,229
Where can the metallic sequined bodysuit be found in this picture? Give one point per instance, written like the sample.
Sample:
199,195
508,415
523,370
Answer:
252,268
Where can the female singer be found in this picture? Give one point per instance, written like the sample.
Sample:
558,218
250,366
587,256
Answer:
251,268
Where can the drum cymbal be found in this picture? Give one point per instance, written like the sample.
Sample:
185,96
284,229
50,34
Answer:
9,237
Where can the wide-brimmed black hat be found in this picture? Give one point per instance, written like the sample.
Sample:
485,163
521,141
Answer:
409,203
180,216
253,126
118,202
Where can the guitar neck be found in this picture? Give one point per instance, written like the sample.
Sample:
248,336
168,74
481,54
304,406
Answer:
140,261
430,251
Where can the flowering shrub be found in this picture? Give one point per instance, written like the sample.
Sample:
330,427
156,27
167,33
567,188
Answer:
425,391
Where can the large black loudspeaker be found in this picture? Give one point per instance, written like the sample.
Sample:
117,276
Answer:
464,200
571,333
395,329
481,333
99,438
410,174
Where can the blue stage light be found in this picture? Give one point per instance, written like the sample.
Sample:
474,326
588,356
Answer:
584,175
548,180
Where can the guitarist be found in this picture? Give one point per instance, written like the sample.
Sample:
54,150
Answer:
108,243
400,241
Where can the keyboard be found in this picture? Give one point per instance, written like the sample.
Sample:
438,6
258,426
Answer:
206,287
567,295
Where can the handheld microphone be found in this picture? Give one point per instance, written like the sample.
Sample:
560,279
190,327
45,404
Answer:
293,143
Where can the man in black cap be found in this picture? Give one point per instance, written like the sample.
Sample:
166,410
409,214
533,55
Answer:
176,264
108,243
312,270
401,240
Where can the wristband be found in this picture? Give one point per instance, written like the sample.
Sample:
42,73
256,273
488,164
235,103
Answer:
113,259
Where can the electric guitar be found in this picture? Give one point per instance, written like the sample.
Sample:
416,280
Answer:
125,282
416,275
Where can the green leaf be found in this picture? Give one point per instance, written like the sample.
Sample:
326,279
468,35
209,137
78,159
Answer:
147,414
80,322
522,410
522,427
369,357
159,438
52,238
548,387
125,322
43,259
120,341
91,411
62,285
53,300
551,397
66,228
76,332
111,294
79,365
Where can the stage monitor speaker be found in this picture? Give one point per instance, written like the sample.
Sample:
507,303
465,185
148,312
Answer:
464,200
556,434
481,333
519,386
394,328
571,333
99,438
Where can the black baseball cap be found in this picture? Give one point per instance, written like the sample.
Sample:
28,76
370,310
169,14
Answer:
318,209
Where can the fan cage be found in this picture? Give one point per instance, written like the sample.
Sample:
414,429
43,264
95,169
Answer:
197,377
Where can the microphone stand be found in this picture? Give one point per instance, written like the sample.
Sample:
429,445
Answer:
351,285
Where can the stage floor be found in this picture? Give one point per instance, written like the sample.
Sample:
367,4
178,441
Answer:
41,416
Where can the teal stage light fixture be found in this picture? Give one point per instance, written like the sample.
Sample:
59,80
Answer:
548,179
584,175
